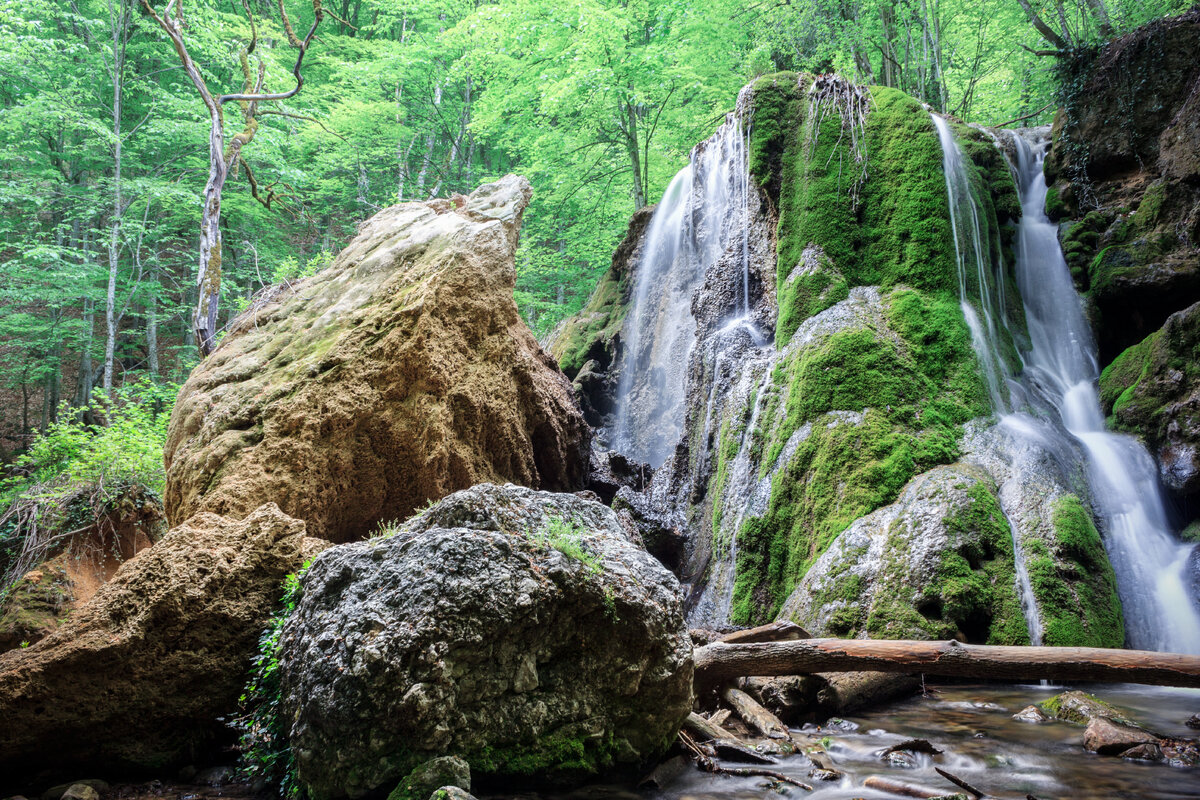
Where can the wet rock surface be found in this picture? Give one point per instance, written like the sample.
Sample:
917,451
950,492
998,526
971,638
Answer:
1126,179
543,643
1153,389
114,689
401,373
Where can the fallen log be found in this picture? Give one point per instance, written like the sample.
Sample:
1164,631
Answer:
719,662
780,631
703,730
753,714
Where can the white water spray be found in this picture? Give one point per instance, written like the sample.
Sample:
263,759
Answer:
1062,367
703,214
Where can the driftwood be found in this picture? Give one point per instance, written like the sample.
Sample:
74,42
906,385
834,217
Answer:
782,631
719,662
959,782
754,714
703,730
882,784
733,750
708,765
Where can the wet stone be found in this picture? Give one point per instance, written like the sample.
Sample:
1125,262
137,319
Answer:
1031,714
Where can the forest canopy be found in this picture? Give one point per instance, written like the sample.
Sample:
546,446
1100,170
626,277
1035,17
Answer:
104,141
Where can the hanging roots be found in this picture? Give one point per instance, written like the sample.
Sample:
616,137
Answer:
852,103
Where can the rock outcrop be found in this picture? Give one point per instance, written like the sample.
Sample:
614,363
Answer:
1153,389
518,630
1126,179
137,679
401,373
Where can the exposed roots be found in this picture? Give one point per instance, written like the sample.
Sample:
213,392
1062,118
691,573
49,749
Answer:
852,103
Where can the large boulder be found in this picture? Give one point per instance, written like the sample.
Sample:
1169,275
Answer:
401,373
519,630
137,679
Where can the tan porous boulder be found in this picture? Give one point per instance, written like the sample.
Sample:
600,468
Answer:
401,373
137,678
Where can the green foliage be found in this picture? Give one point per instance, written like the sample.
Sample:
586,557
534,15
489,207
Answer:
124,449
566,537
266,753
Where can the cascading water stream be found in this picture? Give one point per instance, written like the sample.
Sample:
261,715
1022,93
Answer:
1059,384
975,269
1062,368
704,212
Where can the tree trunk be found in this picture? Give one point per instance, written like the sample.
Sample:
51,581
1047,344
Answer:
1045,30
719,662
119,19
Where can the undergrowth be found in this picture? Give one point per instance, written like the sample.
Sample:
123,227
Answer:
266,754
78,469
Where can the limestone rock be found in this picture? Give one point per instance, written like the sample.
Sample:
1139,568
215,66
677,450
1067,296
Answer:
1124,170
116,686
1109,738
518,630
401,373
937,563
426,779
1153,389
56,792
80,791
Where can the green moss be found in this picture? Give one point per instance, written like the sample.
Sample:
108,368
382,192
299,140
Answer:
551,756
1146,217
599,321
1073,582
1120,380
35,605
973,595
1055,207
1191,533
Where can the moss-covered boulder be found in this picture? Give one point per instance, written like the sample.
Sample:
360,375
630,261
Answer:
1125,170
138,679
873,374
401,373
1153,389
936,564
520,631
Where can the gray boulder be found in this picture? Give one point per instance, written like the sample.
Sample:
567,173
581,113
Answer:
519,630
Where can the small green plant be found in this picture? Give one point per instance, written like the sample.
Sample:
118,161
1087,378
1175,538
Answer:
290,269
566,537
263,741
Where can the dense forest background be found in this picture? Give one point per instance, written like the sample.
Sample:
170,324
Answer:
104,140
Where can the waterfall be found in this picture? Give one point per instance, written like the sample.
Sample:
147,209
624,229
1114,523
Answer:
1059,384
975,268
703,214
1062,368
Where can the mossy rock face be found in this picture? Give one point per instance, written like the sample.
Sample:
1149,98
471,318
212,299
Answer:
1152,389
936,564
36,605
593,333
1125,181
875,373
867,394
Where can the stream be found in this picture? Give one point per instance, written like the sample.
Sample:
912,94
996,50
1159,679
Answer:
981,742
